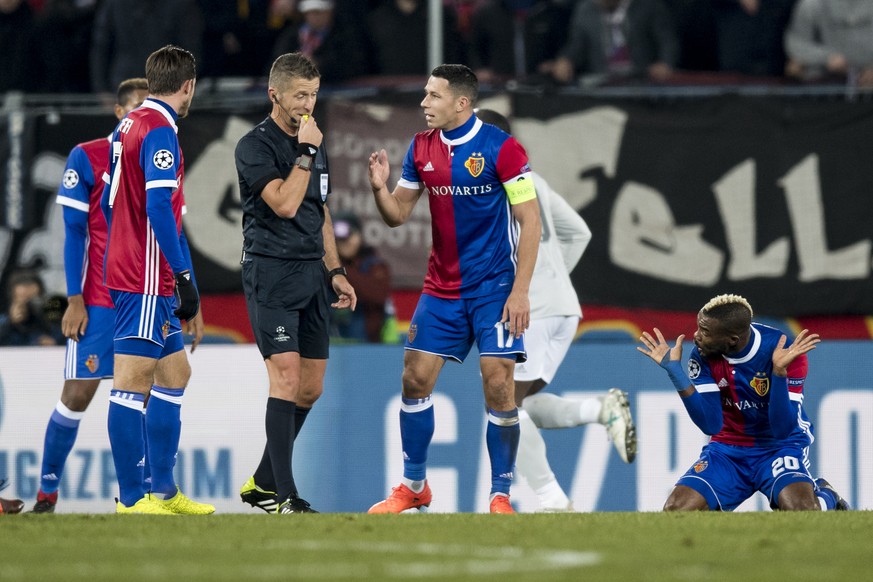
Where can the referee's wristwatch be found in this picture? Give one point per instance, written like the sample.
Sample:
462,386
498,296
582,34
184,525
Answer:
338,271
304,162
307,156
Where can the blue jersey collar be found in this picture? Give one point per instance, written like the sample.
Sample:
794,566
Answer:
461,134
748,352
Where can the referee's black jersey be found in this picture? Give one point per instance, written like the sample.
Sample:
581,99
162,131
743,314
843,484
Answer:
265,154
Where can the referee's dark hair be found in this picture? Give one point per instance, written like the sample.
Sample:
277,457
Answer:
291,65
462,80
494,118
168,68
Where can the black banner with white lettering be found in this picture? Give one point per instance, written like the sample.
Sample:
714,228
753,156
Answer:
769,198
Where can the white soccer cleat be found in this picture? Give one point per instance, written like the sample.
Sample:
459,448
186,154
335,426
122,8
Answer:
615,415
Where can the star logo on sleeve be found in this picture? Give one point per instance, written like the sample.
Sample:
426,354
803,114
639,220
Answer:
163,160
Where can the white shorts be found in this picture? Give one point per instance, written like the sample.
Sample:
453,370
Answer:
546,341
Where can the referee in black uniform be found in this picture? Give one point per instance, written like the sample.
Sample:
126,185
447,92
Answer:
290,268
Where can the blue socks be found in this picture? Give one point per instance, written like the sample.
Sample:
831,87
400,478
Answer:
416,432
163,427
126,438
502,437
60,436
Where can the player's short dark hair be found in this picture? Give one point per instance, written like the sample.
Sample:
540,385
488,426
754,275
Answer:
168,68
289,66
494,118
462,80
732,312
128,88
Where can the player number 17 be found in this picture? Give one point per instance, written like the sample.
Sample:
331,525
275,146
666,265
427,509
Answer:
503,342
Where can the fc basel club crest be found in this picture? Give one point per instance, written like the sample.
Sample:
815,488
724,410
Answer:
92,363
165,329
700,466
413,331
761,383
475,164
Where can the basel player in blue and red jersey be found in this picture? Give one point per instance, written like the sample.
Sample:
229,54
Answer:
147,263
486,230
90,316
746,391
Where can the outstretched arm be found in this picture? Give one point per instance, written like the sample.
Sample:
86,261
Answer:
703,409
782,410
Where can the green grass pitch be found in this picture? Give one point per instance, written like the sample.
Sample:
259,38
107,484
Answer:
613,547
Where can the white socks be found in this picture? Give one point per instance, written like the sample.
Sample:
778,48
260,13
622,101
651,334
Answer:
533,465
550,411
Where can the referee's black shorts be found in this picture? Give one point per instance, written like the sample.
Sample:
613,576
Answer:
288,305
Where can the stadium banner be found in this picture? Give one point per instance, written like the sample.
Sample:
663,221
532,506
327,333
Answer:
768,197
348,456
686,198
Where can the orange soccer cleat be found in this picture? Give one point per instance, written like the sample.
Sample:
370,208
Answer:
500,504
402,498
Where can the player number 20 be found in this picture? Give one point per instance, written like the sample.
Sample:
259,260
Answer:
783,464
503,341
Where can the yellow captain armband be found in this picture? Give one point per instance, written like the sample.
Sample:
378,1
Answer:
520,190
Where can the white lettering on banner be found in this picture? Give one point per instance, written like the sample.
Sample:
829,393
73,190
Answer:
442,479
669,443
546,143
212,189
354,430
735,194
644,238
803,192
844,429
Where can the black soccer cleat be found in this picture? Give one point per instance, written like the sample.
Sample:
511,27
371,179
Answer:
45,502
257,497
295,504
842,504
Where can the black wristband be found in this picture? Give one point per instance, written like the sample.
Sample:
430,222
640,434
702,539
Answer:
307,149
338,271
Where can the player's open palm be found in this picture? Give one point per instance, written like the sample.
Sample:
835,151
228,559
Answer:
782,356
378,169
656,347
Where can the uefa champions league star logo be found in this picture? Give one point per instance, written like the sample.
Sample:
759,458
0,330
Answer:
163,160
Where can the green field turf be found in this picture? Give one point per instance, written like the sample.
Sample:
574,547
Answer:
613,547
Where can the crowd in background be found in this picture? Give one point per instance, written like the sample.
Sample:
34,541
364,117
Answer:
83,46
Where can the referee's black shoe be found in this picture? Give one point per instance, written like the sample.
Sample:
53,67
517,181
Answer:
295,504
842,504
256,497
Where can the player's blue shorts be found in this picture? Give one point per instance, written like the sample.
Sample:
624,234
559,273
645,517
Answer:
448,327
726,475
92,356
145,325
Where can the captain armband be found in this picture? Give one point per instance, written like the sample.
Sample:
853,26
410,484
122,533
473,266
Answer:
520,190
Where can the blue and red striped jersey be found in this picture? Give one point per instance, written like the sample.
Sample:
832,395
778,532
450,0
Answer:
475,236
80,190
744,381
